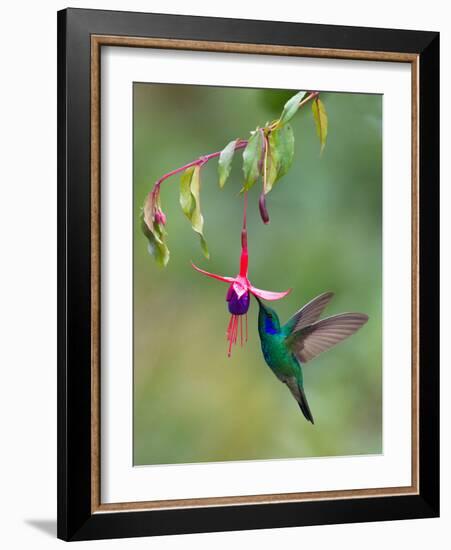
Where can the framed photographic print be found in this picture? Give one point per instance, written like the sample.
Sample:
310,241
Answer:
248,274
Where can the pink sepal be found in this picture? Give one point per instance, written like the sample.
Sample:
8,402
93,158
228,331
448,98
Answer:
268,295
213,275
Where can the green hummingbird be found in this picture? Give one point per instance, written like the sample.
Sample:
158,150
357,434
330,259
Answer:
286,348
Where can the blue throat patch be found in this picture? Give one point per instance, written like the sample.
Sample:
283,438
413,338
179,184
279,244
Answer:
269,326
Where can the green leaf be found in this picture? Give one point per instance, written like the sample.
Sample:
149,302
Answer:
225,162
197,219
320,117
283,140
190,203
251,159
290,108
186,198
271,168
204,247
280,155
156,245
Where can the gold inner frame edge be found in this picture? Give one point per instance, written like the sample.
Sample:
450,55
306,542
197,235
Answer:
97,41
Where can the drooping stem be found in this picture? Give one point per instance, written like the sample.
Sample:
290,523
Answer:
244,260
311,96
240,144
153,217
265,165
245,212
262,200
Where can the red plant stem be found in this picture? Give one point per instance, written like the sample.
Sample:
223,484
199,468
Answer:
198,162
240,144
245,212
265,163
312,95
244,260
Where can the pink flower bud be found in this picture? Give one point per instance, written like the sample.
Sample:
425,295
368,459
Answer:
262,206
160,217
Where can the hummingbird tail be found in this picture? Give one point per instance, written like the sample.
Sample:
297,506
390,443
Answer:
304,406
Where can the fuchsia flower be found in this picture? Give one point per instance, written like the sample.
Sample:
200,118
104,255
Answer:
238,294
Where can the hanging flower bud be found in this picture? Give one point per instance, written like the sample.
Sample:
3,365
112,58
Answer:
262,207
160,217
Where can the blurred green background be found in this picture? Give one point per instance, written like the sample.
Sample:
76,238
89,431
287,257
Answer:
192,403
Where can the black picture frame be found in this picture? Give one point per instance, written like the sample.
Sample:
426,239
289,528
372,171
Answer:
76,519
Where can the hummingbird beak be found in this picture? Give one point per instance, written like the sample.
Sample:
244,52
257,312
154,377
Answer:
260,304
258,300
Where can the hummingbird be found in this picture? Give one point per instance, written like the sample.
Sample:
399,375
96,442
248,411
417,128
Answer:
286,348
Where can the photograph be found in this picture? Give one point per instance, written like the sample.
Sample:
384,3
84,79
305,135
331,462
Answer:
281,189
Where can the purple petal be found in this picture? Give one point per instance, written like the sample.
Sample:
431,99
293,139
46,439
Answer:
237,305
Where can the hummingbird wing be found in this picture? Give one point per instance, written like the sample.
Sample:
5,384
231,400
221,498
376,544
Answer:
308,314
313,339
